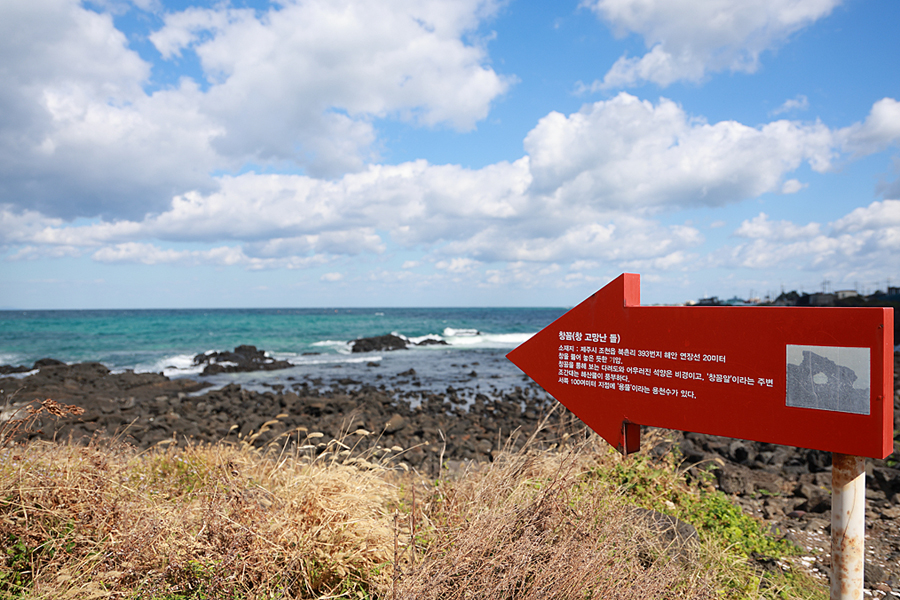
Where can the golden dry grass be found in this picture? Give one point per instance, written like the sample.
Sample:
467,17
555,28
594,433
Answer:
530,526
202,521
322,521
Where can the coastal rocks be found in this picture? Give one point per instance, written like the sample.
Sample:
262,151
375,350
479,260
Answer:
787,487
144,409
92,387
394,424
387,343
47,362
432,342
38,364
379,343
244,359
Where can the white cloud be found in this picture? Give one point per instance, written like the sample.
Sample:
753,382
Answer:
590,191
295,86
314,73
133,252
585,265
880,130
457,265
78,135
629,152
760,227
792,186
349,242
865,243
332,277
668,262
24,226
620,237
227,256
688,39
878,215
799,103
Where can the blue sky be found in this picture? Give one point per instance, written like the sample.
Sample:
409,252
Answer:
444,153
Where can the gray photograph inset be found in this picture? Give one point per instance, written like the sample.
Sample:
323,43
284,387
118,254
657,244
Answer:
828,378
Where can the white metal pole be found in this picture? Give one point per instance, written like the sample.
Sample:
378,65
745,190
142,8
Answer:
848,526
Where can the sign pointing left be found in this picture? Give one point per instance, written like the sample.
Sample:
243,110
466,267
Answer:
817,378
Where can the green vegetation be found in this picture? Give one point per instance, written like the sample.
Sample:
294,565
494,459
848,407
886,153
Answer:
659,484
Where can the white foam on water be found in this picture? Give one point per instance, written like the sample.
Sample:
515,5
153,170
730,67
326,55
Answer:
10,359
510,338
452,332
21,375
334,359
178,365
339,346
489,340
430,336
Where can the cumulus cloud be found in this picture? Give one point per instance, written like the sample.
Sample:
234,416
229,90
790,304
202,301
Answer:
78,135
876,216
302,81
760,227
630,152
880,130
24,226
298,85
863,243
792,186
591,190
688,40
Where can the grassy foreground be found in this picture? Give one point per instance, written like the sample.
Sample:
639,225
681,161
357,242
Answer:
323,521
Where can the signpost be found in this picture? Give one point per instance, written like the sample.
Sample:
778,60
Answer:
814,378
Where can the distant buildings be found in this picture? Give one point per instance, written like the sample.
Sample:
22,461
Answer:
793,298
841,294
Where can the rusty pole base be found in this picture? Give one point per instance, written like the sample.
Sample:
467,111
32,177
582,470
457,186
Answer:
848,526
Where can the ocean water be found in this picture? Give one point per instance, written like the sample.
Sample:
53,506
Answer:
316,341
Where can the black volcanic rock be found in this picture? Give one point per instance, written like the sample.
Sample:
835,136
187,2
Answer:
47,362
244,359
432,342
380,343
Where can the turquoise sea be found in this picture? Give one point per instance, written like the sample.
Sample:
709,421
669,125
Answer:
316,341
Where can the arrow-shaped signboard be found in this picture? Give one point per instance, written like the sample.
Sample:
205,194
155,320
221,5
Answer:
813,378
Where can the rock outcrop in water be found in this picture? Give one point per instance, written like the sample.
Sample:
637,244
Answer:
380,343
244,359
387,343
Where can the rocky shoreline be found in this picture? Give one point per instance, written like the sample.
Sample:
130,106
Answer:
787,487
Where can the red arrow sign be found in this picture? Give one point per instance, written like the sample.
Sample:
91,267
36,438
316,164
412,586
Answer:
814,378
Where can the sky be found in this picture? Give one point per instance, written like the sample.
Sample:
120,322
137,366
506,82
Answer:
307,153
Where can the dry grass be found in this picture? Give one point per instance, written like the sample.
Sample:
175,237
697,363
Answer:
204,521
322,521
530,526
17,419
